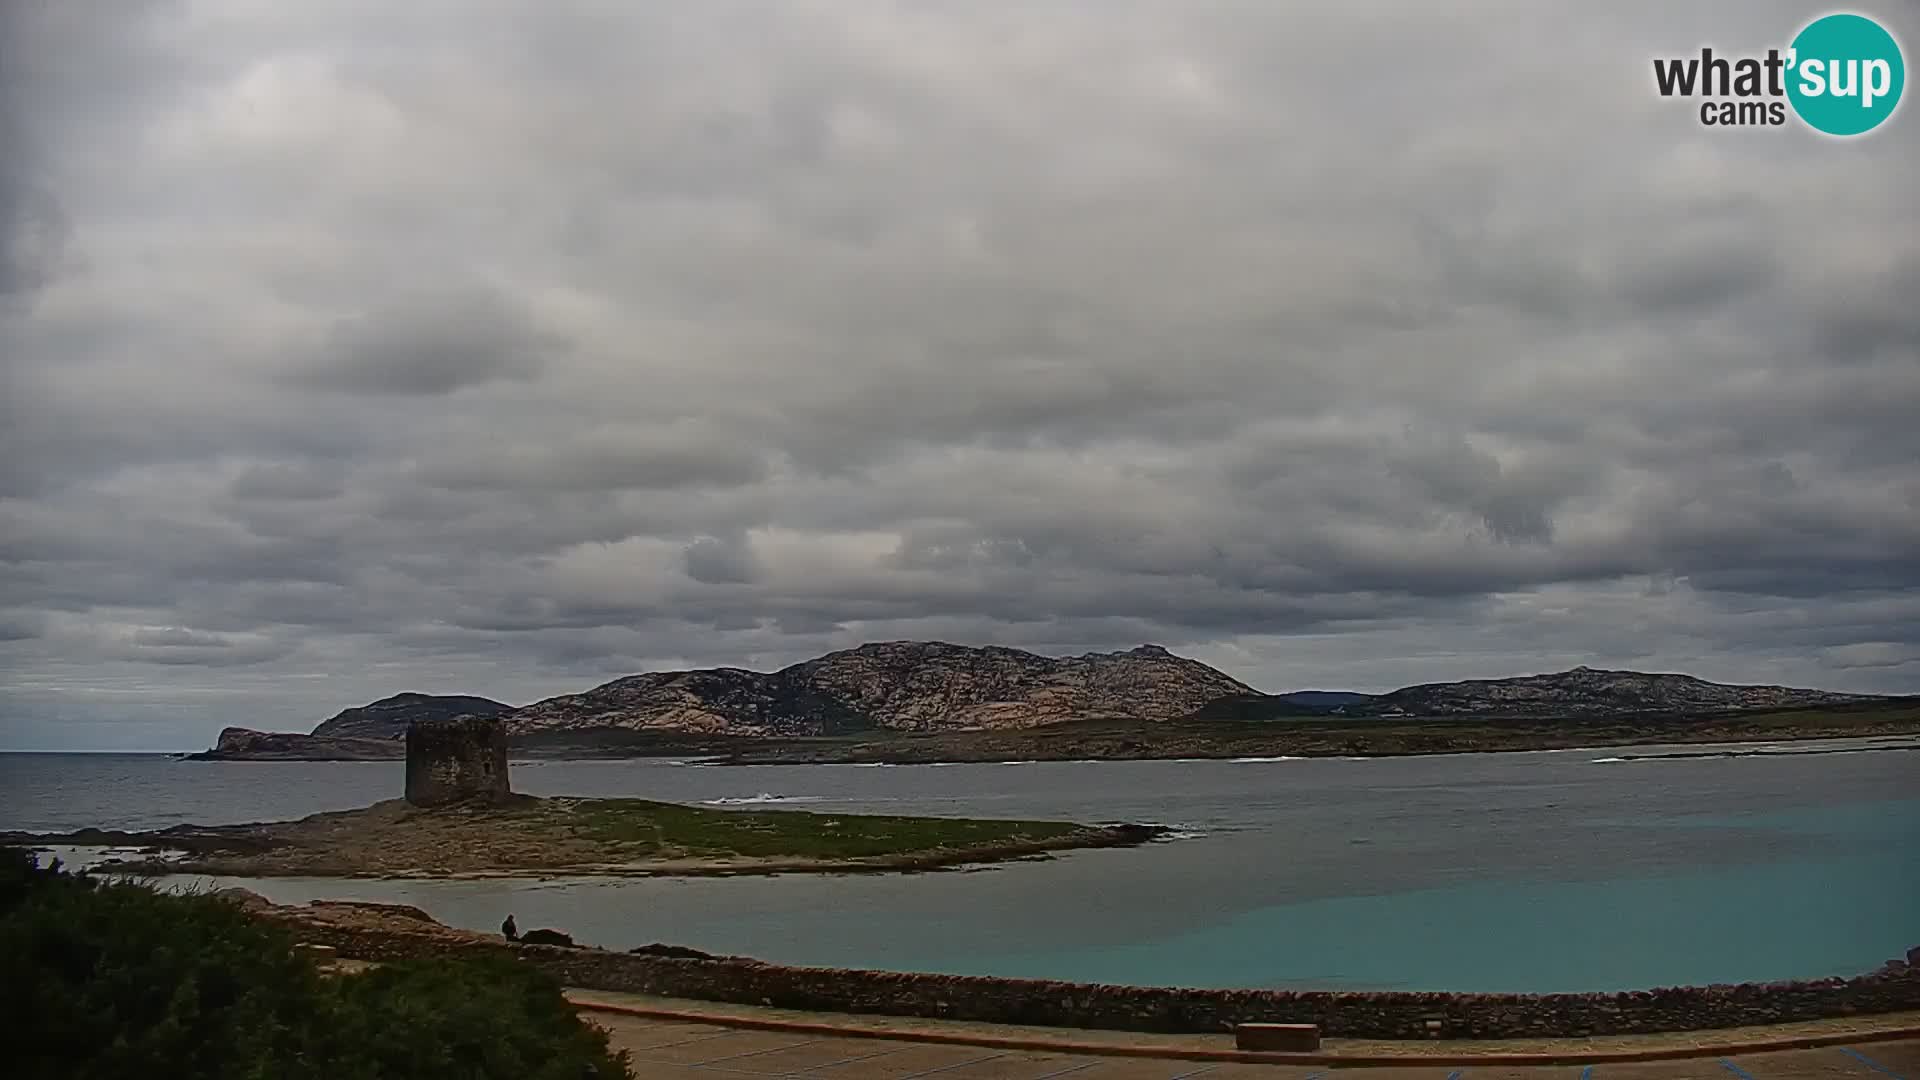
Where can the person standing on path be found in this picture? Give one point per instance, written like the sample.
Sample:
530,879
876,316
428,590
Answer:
508,930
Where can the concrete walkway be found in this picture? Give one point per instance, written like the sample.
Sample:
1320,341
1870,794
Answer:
663,1050
708,1036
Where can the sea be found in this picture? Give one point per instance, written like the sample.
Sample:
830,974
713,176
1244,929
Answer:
1597,869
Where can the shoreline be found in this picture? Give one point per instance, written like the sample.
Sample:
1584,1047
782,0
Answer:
1236,756
932,862
378,932
532,838
1209,740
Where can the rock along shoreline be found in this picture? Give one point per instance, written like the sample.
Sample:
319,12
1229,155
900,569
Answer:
382,932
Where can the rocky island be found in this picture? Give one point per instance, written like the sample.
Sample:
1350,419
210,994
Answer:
926,701
460,817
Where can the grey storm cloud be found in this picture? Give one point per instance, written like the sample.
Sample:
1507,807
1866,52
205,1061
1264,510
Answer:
498,347
33,237
426,345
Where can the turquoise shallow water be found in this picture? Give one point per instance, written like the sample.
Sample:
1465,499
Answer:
1728,925
1523,872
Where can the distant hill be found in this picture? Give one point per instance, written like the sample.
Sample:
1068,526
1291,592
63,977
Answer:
1585,691
388,718
1577,692
1325,699
935,688
897,686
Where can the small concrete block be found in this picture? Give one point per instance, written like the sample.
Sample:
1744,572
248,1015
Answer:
1277,1038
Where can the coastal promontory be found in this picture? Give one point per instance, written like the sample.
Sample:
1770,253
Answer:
460,817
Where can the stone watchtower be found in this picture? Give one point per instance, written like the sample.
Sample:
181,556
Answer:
457,760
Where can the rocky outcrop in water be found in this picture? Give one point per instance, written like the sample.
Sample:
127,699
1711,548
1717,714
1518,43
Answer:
372,732
899,686
245,744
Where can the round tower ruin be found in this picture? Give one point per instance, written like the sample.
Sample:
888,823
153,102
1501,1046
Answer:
460,759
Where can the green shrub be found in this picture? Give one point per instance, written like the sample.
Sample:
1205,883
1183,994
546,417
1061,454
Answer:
119,981
444,1017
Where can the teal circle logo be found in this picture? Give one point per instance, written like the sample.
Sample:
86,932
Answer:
1846,74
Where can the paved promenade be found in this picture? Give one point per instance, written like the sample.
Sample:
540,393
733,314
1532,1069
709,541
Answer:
680,1040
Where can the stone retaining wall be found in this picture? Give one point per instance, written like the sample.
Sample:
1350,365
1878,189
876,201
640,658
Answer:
1361,1015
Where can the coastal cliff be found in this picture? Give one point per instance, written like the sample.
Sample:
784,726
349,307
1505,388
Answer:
245,744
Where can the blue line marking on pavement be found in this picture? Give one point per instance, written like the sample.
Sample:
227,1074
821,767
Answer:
1870,1063
1455,1074
1735,1070
1586,1073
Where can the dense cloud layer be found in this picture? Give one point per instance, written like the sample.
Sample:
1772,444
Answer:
502,348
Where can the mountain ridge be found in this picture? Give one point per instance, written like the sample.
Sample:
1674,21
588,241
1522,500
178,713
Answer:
908,688
935,686
893,685
1584,690
1577,692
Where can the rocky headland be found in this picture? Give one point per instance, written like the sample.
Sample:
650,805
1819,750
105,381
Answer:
246,744
371,732
461,818
565,837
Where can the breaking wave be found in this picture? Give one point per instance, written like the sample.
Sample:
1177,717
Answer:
1176,830
762,798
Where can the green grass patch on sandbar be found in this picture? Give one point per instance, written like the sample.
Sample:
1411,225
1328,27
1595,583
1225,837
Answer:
668,827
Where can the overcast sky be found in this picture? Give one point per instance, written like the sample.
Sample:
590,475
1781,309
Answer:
505,348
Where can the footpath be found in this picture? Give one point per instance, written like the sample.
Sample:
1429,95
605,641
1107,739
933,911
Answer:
1900,1029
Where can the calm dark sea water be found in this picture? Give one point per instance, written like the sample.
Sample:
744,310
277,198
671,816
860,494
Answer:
1533,872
